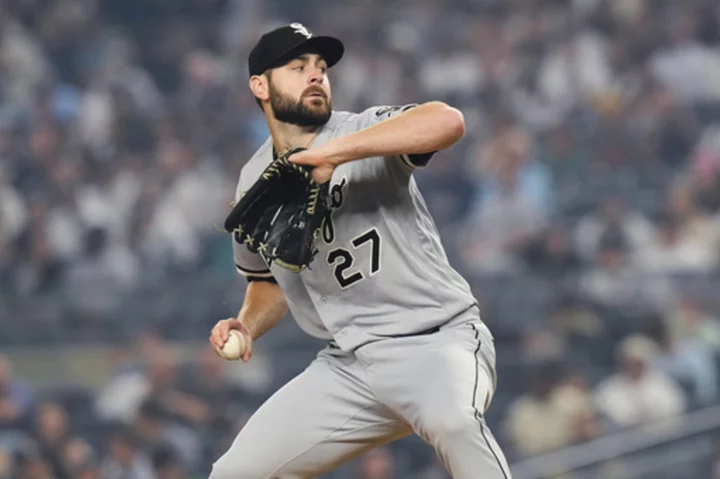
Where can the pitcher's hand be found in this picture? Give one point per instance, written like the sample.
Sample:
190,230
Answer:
323,166
221,331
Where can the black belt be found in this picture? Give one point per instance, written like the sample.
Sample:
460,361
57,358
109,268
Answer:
419,333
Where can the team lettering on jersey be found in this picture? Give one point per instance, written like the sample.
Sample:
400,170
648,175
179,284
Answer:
337,196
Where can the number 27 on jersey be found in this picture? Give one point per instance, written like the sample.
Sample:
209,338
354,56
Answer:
342,259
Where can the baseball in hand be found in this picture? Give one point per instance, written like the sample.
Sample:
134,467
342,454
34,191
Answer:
234,347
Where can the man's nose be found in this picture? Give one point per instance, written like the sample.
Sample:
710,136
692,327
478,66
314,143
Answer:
316,77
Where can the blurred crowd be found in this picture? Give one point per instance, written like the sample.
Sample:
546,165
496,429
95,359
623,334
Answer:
583,204
159,416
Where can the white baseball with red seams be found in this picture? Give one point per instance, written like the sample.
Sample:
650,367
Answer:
234,347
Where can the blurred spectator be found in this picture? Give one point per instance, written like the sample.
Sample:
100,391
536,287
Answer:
615,218
533,106
511,157
513,206
89,472
572,317
156,430
666,128
377,464
551,254
148,396
134,357
690,362
541,345
52,433
576,71
6,464
121,398
13,214
555,412
40,273
126,460
96,283
638,393
447,191
693,225
690,320
617,283
23,62
167,465
574,397
208,384
672,252
704,171
189,208
16,397
35,466
77,456
565,154
689,68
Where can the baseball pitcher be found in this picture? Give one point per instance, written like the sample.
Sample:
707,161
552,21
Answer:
407,352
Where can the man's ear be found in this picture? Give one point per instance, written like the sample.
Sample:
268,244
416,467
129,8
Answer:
260,87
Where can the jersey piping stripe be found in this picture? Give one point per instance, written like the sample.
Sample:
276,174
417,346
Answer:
251,272
478,414
406,160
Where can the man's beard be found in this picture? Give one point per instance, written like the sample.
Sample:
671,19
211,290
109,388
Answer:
296,112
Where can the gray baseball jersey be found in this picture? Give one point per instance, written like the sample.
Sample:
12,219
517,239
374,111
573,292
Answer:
381,270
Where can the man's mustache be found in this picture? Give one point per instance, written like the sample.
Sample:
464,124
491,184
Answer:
317,90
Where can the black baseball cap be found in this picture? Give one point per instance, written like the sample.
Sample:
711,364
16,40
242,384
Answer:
278,46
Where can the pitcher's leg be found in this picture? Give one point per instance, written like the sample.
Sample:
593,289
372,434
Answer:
440,384
324,417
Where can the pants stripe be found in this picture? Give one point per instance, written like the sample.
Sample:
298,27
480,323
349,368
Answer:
478,414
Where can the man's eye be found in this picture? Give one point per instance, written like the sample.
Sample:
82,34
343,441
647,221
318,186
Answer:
299,68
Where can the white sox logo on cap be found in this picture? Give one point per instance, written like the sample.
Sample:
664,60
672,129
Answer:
301,29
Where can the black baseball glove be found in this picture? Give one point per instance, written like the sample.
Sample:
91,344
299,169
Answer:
281,215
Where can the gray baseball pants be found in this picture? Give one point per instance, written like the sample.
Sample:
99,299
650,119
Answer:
434,385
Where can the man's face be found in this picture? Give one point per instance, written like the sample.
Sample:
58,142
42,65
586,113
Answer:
300,92
122,451
612,258
635,368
